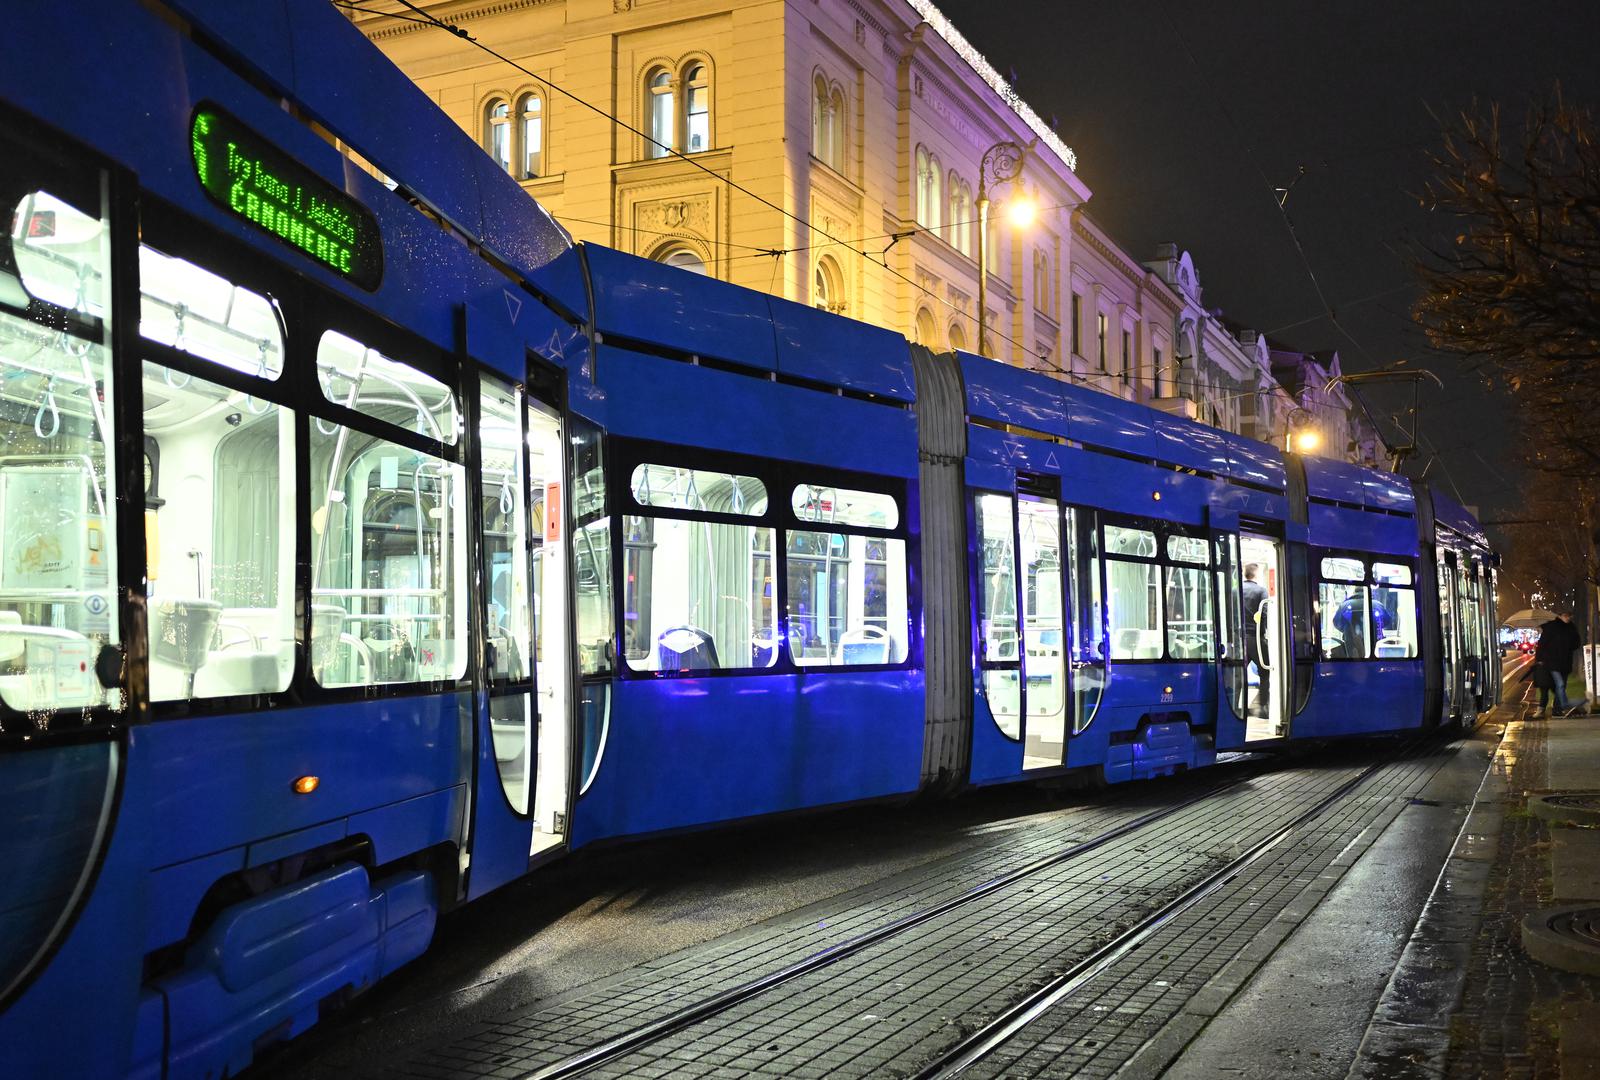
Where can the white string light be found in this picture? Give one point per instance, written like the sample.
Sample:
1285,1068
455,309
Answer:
1008,93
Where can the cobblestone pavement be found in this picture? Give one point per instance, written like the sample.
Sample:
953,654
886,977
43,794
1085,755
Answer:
896,1005
1512,1008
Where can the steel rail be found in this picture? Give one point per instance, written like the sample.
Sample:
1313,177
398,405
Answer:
629,1041
983,1042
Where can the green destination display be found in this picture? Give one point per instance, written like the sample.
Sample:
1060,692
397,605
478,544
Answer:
259,182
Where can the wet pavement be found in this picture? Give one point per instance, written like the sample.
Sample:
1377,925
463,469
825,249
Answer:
1351,912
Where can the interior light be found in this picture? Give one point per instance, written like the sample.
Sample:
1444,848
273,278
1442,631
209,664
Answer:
306,785
1156,495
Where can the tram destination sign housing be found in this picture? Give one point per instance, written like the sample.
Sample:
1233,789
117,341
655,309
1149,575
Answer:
252,179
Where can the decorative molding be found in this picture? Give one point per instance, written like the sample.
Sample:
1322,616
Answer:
399,28
619,6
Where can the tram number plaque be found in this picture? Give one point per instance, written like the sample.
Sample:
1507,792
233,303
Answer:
252,179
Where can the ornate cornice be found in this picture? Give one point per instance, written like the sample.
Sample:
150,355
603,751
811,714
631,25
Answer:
399,28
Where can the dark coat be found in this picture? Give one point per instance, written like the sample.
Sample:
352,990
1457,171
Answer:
1558,640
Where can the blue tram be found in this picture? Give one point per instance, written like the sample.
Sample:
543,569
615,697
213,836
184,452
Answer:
365,543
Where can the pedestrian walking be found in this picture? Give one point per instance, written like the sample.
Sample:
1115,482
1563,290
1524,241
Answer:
1552,663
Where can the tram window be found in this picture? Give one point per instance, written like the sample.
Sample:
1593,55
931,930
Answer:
1345,620
698,595
1134,605
1187,549
1394,610
591,543
847,598
697,489
1336,569
364,379
220,545
1190,633
816,505
62,253
196,311
997,588
58,572
1391,573
1125,541
508,606
389,562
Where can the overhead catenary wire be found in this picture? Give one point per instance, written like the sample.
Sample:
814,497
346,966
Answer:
457,31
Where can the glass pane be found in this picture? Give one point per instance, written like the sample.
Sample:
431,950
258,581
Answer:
389,562
697,489
58,571
1124,541
661,116
1003,691
62,253
1391,573
1186,549
1039,530
1346,628
841,506
509,610
511,726
698,595
591,543
847,599
1135,608
196,311
500,142
997,591
532,147
1088,644
699,132
220,540
369,382
1335,569
1190,634
1394,622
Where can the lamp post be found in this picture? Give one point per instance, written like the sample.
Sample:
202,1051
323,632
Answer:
1002,161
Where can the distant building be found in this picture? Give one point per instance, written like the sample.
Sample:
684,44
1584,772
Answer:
867,119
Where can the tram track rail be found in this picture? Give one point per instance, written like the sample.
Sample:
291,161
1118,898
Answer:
631,1041
980,1044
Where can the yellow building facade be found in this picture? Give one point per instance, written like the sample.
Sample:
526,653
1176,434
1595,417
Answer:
830,152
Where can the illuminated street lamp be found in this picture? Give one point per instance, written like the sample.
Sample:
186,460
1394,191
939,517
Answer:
1001,162
1303,436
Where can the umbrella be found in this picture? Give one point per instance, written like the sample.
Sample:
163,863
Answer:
1529,619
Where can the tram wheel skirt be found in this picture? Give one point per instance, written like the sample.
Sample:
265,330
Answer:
261,973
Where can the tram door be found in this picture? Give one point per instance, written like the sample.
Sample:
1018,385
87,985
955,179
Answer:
526,634
1264,684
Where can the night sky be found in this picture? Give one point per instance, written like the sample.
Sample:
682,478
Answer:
1185,116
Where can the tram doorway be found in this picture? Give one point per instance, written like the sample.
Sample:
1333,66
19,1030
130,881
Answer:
552,654
1265,593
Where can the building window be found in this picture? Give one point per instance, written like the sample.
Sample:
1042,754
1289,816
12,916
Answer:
1041,282
497,132
929,190
1077,324
958,337
683,258
960,224
828,286
531,108
1100,335
698,119
1160,375
660,106
1127,357
827,124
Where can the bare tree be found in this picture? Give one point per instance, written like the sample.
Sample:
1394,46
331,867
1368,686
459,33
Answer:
1518,293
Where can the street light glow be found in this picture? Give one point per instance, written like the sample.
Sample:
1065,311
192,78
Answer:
1307,440
1021,211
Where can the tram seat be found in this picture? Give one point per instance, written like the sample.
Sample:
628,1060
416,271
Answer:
685,648
1392,648
864,645
1137,643
183,632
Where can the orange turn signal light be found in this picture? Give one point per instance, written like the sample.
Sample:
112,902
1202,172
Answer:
306,785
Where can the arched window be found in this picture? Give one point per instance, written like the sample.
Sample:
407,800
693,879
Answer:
683,258
836,112
921,182
531,109
961,213
935,195
658,102
821,121
958,336
828,286
497,131
697,123
927,329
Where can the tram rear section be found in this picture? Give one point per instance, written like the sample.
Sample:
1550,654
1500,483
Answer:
1101,937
